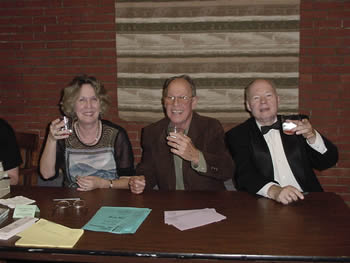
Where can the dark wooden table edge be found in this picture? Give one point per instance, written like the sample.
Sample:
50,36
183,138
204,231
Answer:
8,253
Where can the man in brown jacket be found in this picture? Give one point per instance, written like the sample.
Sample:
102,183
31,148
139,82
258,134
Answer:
194,159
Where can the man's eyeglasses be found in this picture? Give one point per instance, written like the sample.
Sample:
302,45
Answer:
180,99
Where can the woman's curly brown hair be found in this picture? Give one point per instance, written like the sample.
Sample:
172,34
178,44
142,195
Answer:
71,93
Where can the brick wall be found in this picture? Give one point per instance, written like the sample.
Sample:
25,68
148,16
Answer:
43,44
324,81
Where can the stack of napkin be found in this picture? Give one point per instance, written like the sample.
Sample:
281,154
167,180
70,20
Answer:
187,219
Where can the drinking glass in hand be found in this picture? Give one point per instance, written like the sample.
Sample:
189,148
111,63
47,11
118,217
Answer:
67,125
288,126
173,128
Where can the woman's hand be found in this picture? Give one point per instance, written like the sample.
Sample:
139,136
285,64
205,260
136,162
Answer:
56,132
88,183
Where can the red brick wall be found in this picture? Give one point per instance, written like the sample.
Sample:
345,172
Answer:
325,79
43,44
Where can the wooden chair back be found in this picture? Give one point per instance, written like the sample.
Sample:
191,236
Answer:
28,144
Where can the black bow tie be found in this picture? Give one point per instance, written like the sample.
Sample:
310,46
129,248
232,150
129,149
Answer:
265,129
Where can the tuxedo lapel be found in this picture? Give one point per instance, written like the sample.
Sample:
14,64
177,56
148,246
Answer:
260,150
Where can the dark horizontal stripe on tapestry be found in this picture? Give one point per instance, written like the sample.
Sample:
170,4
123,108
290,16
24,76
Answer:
207,83
207,27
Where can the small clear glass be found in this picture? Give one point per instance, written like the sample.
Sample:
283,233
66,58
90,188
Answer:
175,129
67,124
288,126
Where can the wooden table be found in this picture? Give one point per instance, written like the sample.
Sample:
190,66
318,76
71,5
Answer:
256,229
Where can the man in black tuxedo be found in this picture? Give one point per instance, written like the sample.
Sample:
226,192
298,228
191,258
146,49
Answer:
276,165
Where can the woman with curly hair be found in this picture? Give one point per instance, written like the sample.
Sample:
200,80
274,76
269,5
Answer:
93,153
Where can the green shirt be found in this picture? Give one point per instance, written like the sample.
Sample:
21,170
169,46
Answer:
201,167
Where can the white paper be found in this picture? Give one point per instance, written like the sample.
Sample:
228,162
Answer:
18,200
16,227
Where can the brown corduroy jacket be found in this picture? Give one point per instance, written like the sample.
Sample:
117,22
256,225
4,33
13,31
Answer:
157,164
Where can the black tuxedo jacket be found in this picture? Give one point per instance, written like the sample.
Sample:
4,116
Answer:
253,161
157,164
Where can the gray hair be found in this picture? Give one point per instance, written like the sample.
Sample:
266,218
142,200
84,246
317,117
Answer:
185,77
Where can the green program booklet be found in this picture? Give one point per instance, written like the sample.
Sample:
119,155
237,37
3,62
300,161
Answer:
117,220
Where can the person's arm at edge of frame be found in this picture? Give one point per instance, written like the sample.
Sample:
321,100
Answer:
13,175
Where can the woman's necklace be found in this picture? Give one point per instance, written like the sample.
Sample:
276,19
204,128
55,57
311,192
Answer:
98,133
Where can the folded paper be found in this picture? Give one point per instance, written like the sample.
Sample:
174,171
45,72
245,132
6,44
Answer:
48,234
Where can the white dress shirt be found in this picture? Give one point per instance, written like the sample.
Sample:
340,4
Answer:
281,169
